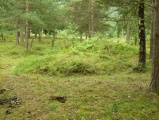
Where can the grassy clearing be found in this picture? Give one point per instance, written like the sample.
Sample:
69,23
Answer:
96,78
88,97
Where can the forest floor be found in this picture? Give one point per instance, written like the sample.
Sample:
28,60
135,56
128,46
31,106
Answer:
117,96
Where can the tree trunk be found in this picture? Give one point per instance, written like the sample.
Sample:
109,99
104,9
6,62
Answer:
17,32
39,32
17,37
31,43
17,27
36,34
151,35
86,33
2,36
91,22
128,32
135,40
92,18
122,32
154,85
27,27
151,41
53,38
123,27
21,36
89,30
142,43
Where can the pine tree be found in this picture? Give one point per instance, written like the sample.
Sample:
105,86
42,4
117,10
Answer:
154,85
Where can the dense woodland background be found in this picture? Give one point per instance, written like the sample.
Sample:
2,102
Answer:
79,59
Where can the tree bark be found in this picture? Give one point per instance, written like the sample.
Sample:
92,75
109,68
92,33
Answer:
27,27
151,35
17,27
17,37
53,38
151,41
92,18
128,32
39,32
21,36
86,33
91,22
142,42
123,27
36,33
154,85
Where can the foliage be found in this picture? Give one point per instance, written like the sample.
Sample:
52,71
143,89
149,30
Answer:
93,72
89,57
96,75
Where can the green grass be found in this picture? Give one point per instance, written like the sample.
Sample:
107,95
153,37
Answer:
95,76
89,57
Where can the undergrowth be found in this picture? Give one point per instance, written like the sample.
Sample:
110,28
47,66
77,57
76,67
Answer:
105,88
89,57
